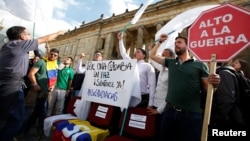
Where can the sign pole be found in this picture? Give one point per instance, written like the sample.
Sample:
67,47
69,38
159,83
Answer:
123,121
209,99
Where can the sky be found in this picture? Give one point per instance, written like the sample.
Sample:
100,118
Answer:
48,16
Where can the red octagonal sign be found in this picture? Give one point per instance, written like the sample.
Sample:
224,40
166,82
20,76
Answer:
223,30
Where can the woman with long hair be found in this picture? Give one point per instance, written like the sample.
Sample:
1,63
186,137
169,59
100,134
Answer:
242,66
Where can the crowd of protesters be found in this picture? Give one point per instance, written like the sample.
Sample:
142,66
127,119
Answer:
174,94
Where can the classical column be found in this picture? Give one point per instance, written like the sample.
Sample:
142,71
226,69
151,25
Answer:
109,45
132,48
139,37
76,53
159,26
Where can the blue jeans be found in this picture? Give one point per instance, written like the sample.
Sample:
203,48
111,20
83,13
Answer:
15,118
180,125
38,114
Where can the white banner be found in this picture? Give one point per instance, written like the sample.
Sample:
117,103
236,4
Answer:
112,82
177,24
140,11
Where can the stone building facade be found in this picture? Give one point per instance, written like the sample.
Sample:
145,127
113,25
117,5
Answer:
101,33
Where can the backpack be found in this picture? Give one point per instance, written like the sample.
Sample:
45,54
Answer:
242,85
243,97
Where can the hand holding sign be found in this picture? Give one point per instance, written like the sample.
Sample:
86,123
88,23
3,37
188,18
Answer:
120,35
163,37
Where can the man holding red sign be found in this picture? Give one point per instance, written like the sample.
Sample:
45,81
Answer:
182,117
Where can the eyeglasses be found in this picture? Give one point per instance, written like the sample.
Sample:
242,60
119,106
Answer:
52,54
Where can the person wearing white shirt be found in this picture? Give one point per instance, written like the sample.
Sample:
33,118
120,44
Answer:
80,67
79,76
146,74
161,87
82,109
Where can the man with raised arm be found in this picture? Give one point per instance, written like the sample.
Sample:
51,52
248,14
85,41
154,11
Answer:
14,60
182,116
146,73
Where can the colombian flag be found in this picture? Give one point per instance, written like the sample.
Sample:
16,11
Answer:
52,70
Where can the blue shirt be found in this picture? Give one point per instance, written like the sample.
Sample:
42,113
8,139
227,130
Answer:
14,57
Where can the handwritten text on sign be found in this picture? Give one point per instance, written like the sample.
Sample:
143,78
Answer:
109,82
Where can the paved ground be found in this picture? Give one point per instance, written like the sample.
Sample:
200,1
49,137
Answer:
32,136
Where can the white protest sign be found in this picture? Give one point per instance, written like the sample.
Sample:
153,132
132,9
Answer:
112,82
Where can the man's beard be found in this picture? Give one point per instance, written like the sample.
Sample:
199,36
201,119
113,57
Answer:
181,51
